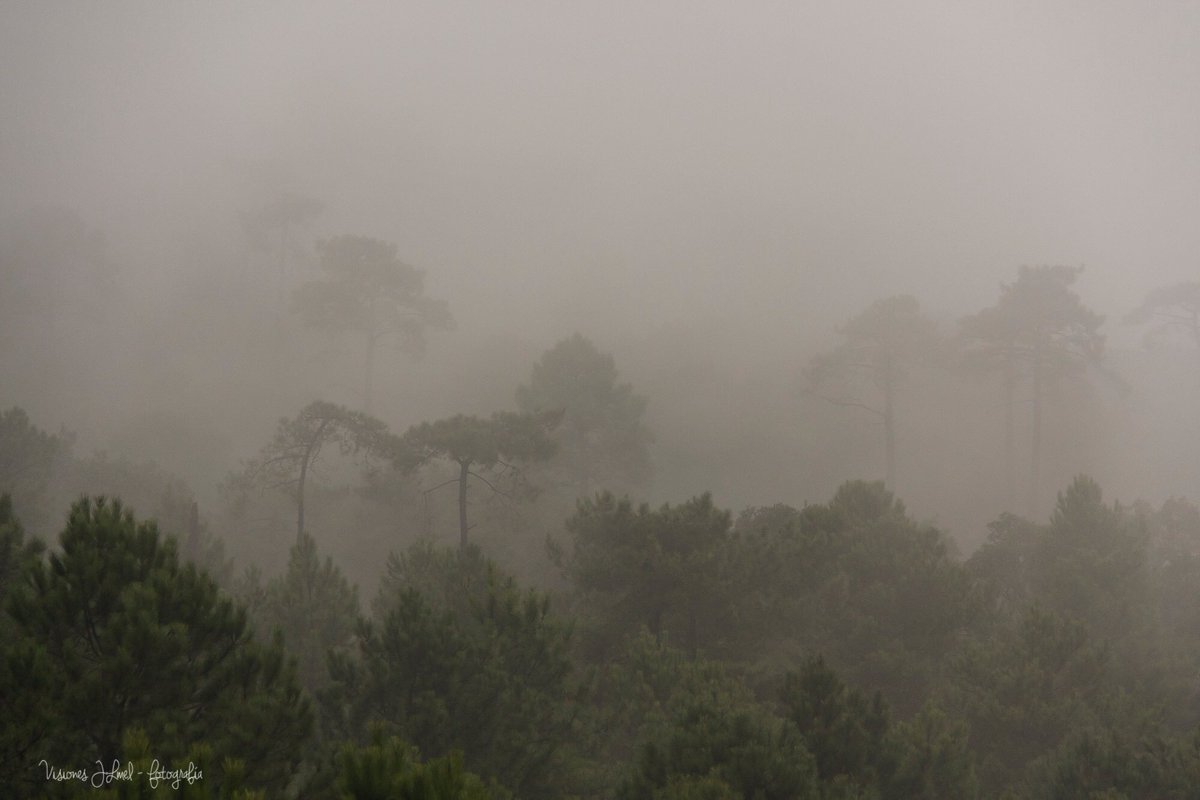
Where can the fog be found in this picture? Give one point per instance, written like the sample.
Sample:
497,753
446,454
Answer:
703,191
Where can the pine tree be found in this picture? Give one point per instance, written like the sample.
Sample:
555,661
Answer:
315,608
113,633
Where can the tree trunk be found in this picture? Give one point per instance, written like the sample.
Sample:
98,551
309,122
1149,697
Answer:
1010,434
313,444
463,473
693,635
281,277
889,426
277,359
1035,456
370,369
583,476
193,538
300,498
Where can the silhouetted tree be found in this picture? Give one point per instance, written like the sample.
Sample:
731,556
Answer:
113,634
314,607
1174,308
476,445
287,460
271,226
368,291
390,768
28,458
1038,328
602,438
1024,688
868,368
719,753
668,569
476,664
844,730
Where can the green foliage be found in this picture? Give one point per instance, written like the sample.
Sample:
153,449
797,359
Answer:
113,633
391,770
935,759
635,698
489,674
145,485
367,290
505,436
1131,762
448,581
28,459
178,515
1037,315
880,595
1023,690
1038,331
833,743
712,752
1088,565
287,461
314,607
845,732
602,441
880,346
1091,565
25,676
16,554
142,776
667,569
480,448
1173,573
1003,566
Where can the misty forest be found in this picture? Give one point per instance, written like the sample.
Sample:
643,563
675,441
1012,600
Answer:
678,401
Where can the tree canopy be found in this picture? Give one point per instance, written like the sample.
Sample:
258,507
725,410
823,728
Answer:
602,440
286,461
368,291
114,634
879,346
1039,329
502,441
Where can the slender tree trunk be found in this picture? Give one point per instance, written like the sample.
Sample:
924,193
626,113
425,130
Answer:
1195,326
280,278
693,635
193,540
300,498
463,474
1010,433
313,444
656,625
370,370
1035,455
889,426
277,360
583,477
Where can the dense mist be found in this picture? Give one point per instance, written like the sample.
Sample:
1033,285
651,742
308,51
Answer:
706,194
948,246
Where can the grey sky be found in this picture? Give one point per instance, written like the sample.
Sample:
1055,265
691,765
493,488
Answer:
668,159
729,178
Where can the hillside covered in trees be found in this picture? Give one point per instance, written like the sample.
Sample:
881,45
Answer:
599,401
467,611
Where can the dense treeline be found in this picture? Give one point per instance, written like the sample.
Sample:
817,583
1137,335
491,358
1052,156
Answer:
835,651
482,605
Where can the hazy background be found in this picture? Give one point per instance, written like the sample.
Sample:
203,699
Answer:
705,190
